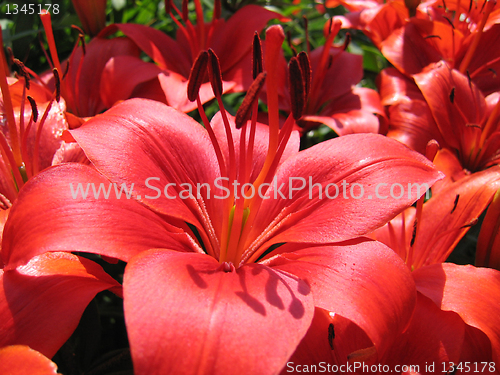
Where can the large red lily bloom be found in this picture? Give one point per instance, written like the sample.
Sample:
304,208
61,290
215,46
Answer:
231,40
211,277
333,98
237,301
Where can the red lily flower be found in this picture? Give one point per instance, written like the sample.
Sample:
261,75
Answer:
456,33
460,37
231,40
446,106
427,236
20,360
208,276
410,118
333,98
474,135
97,75
424,238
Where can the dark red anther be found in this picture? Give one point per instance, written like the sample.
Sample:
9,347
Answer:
297,93
452,95
168,6
331,335
185,10
457,197
414,233
305,67
214,73
23,72
257,64
57,83
34,109
243,113
347,41
197,75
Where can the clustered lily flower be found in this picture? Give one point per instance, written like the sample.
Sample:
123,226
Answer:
241,251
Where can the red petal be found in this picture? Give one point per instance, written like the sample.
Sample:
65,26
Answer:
117,82
410,49
356,281
92,15
46,217
346,71
471,292
488,242
85,99
185,315
21,360
366,159
164,51
141,139
353,112
174,87
412,124
41,302
433,336
444,223
232,40
397,88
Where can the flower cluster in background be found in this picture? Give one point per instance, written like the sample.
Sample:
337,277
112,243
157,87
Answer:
154,157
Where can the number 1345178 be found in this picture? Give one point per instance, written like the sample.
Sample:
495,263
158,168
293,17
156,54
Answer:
32,8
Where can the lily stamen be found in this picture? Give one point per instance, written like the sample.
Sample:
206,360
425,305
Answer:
490,4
